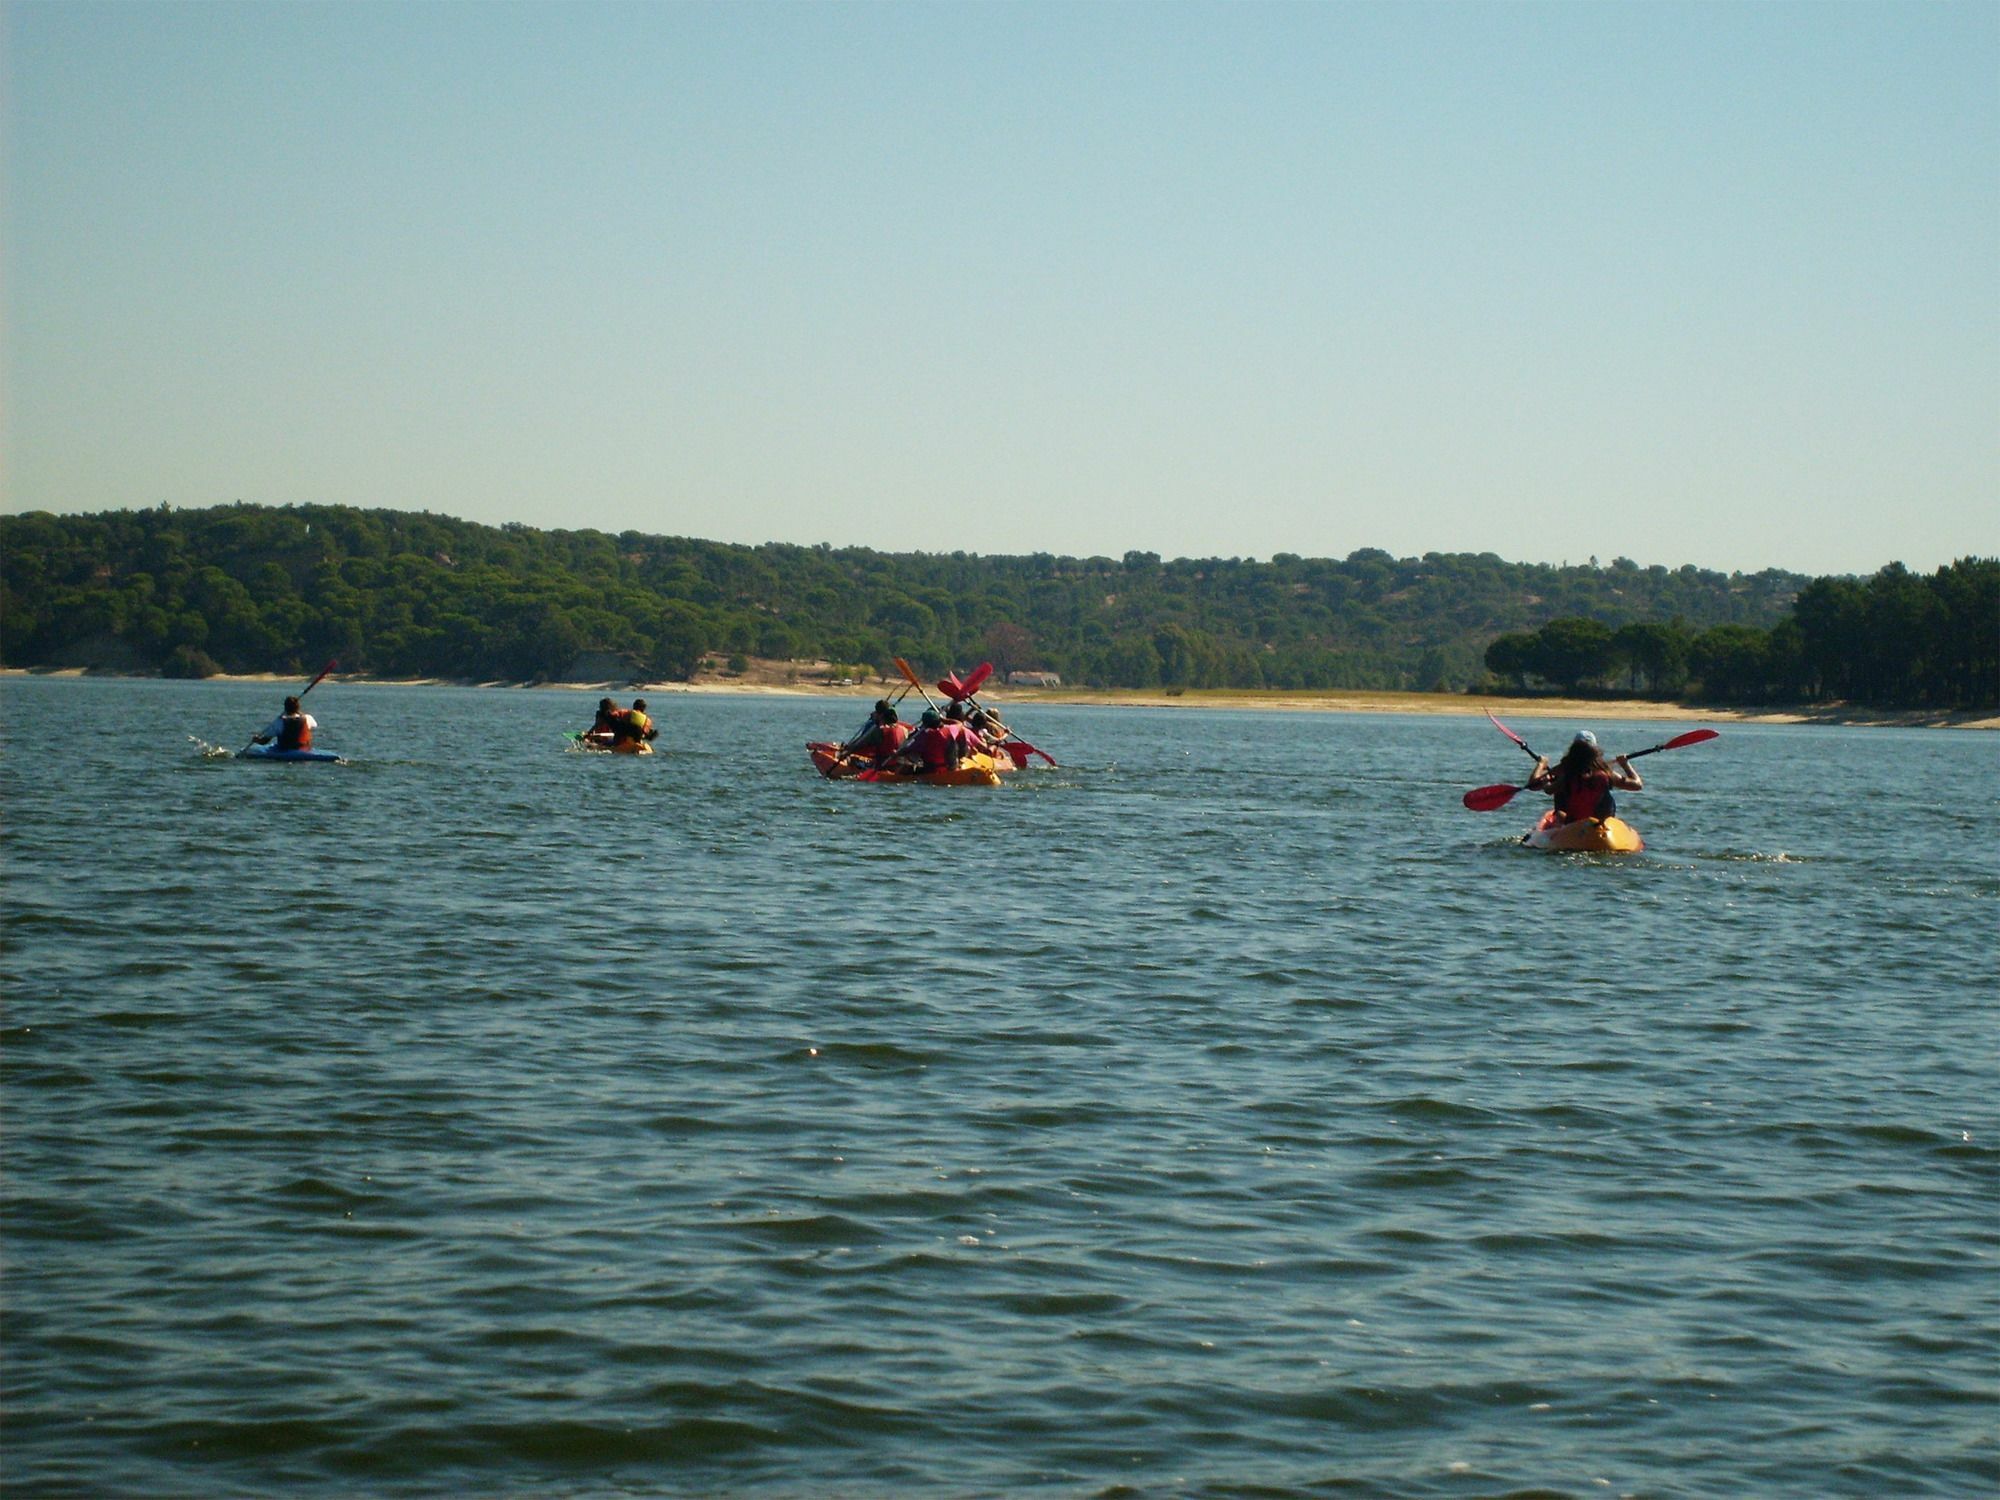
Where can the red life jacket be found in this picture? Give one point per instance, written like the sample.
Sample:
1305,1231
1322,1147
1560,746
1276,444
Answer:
1580,799
932,748
295,732
889,738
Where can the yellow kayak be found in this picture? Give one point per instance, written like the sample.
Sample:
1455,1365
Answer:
973,770
1584,836
616,747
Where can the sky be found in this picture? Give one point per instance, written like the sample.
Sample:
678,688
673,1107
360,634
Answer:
1684,283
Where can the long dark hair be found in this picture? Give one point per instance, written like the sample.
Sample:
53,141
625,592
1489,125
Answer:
1579,761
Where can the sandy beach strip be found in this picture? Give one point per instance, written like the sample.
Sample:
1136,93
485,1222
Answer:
1242,699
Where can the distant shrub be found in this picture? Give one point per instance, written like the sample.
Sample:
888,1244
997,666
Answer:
189,661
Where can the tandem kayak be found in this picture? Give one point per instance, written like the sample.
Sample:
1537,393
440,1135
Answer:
272,752
1585,836
974,770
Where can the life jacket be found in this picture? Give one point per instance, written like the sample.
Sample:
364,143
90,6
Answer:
1584,797
886,739
635,724
295,732
933,747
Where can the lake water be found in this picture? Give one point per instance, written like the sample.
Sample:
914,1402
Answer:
1226,1113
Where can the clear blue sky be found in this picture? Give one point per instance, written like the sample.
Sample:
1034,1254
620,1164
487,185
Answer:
1683,283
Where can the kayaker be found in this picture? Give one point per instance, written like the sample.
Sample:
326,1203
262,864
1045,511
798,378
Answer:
1582,781
938,745
633,723
292,729
883,736
986,724
604,728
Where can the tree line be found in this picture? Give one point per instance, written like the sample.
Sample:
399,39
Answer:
1896,640
395,593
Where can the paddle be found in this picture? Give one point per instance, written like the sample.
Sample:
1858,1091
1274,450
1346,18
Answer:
1510,734
1487,798
847,745
332,662
952,686
914,680
1018,750
1692,737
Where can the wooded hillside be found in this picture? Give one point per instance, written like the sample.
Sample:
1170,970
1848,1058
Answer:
254,588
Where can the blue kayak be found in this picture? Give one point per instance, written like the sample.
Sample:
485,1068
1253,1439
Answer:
271,752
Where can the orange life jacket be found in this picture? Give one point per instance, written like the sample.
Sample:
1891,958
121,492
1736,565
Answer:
295,732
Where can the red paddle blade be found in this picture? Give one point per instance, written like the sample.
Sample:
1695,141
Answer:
1487,798
1018,754
1692,737
976,678
1506,731
951,687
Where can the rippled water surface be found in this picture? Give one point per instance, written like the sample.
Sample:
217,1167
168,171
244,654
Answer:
1227,1112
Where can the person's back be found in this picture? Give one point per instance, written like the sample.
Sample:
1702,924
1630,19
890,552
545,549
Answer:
635,723
936,745
880,740
1581,782
291,730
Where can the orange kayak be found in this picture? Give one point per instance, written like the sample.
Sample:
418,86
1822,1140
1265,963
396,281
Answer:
1584,836
974,770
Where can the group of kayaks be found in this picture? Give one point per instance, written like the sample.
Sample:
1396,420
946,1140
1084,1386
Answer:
1000,751
981,749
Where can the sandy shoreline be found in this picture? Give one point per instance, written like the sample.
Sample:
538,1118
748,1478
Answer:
1248,700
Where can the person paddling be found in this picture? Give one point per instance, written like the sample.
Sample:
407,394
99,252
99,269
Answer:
292,729
937,745
1582,781
634,723
881,738
604,728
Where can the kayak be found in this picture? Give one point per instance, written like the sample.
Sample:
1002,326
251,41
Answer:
1585,836
974,770
619,747
835,767
272,752
828,761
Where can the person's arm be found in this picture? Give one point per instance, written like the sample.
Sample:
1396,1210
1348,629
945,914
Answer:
1624,777
1539,778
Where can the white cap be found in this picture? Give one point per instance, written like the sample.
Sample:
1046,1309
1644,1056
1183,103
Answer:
1585,737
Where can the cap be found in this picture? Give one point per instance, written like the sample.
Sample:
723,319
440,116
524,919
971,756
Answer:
932,718
1585,737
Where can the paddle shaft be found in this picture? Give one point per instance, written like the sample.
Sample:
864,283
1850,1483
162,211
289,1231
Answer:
915,681
1679,741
